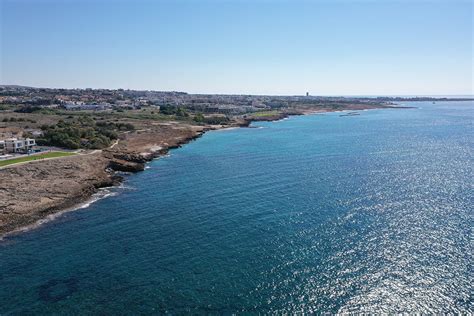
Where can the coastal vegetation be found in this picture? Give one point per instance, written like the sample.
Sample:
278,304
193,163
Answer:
211,120
20,119
82,132
174,110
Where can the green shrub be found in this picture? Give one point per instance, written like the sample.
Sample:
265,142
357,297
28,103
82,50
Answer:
199,118
82,133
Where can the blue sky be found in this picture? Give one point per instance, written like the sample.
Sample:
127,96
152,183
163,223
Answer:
253,47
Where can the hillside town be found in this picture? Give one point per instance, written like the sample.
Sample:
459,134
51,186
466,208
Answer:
108,99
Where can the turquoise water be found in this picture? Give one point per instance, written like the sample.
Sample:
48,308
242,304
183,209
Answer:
318,213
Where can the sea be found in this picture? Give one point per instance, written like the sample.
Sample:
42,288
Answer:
326,213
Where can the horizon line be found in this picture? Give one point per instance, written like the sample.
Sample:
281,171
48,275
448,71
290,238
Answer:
249,94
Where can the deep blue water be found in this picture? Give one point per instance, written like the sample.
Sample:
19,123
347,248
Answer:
321,213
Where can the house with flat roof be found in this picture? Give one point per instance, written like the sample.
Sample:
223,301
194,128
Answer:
15,145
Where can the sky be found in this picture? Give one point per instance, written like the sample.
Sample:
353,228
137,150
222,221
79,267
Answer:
338,47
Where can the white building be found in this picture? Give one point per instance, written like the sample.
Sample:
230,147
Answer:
14,145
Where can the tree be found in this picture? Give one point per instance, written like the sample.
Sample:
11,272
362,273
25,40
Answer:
199,118
181,112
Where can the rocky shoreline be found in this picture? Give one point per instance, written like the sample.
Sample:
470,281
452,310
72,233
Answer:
31,192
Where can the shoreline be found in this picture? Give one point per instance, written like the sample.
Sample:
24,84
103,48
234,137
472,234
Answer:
132,162
95,197
110,164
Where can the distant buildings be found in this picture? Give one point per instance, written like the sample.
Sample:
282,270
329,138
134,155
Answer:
83,106
15,145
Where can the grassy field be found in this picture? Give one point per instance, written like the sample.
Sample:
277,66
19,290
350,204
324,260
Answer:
265,113
54,154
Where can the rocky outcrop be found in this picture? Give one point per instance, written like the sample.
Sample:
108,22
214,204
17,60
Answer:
126,166
126,162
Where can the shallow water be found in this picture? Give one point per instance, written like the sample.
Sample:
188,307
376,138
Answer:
317,213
